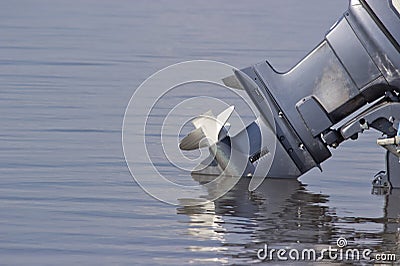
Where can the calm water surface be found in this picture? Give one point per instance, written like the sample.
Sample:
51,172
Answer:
67,71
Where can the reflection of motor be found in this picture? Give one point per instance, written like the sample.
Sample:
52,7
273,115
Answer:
349,83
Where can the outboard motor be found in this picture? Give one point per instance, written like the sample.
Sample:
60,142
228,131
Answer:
349,83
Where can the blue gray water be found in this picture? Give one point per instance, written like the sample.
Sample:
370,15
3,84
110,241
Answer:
67,71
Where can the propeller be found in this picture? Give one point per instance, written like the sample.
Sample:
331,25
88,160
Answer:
209,128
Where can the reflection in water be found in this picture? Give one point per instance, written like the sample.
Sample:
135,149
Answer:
391,222
283,214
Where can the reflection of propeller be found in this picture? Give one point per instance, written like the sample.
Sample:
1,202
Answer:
207,127
278,210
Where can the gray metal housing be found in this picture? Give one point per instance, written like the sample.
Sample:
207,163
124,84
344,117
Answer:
357,63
